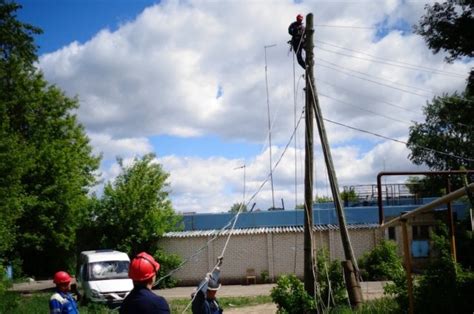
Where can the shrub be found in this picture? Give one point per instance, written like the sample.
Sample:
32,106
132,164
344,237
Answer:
382,263
264,276
290,296
168,262
444,287
332,288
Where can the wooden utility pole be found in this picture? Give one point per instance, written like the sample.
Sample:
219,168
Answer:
309,262
352,283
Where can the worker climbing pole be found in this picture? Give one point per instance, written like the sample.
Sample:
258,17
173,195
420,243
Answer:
351,269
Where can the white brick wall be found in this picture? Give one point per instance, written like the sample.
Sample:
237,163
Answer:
277,253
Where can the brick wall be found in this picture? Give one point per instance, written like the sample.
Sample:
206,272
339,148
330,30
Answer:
276,253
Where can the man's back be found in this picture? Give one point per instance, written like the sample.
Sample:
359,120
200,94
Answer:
142,300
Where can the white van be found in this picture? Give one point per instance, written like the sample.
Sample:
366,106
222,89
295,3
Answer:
102,276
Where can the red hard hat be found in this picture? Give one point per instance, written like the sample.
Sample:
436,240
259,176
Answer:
299,17
143,267
61,277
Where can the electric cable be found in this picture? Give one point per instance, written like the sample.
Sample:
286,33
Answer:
366,110
389,60
373,81
399,141
390,63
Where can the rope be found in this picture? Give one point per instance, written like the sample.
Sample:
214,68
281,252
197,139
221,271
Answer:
235,218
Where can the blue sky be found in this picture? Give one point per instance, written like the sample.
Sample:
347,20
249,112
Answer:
186,80
64,21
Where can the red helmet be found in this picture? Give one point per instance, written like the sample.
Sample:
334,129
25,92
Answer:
61,277
143,267
299,17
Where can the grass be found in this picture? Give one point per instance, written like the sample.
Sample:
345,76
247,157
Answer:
383,305
12,302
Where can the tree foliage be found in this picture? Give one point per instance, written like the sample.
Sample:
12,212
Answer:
382,263
135,210
444,287
47,164
236,207
448,26
447,132
291,297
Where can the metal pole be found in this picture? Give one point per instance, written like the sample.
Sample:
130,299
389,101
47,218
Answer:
407,259
269,126
452,238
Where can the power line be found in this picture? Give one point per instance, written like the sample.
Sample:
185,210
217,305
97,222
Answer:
367,110
378,77
345,26
372,81
390,63
378,100
398,141
389,60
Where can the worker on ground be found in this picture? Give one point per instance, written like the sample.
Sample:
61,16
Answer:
141,299
205,301
296,30
62,301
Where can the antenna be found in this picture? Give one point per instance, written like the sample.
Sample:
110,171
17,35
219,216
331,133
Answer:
269,124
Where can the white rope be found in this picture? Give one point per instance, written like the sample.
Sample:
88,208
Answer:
235,218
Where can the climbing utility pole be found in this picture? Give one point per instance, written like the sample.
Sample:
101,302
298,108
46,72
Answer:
309,262
351,269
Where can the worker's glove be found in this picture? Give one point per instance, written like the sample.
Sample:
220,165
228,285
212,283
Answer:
219,260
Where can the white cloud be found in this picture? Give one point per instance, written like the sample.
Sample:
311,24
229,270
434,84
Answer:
160,74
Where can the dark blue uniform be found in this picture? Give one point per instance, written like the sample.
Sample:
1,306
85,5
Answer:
201,304
62,303
142,300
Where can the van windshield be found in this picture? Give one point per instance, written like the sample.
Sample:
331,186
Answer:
108,270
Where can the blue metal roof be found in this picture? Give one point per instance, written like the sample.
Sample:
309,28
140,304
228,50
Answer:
322,215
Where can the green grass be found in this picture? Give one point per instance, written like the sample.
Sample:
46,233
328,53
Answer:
13,302
383,305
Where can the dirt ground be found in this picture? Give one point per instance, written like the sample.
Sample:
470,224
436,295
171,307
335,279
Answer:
371,290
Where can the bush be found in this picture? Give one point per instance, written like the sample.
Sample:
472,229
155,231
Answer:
168,262
290,296
332,288
382,263
444,287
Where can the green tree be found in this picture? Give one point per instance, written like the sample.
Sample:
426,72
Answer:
135,210
47,165
448,130
448,26
382,263
236,207
290,296
424,186
349,195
